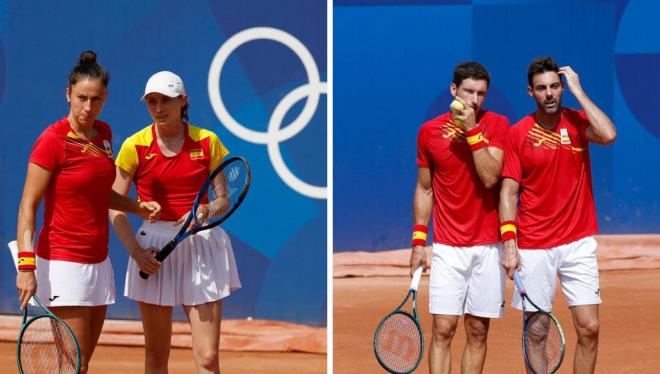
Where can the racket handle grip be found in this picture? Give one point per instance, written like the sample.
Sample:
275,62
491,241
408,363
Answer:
165,251
518,282
160,256
417,275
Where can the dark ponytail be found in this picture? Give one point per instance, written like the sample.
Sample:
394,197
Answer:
184,113
88,68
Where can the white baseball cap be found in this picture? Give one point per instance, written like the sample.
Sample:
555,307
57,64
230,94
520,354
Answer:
166,83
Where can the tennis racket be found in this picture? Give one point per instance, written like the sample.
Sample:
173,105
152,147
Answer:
222,193
543,340
46,344
399,341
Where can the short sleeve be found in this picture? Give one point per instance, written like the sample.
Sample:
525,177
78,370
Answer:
217,150
424,159
48,151
512,167
496,133
582,124
127,159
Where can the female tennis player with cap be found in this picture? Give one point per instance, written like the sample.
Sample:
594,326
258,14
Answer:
169,160
71,168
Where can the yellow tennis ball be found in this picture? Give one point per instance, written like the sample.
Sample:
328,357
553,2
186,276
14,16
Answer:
455,106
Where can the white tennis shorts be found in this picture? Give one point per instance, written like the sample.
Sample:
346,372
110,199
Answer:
467,280
65,283
576,265
201,268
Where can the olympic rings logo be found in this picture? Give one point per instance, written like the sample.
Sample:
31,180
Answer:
274,135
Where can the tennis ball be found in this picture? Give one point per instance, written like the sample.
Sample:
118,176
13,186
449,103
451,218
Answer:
455,106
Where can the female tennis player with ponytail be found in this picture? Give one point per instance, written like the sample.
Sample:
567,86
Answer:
71,168
170,160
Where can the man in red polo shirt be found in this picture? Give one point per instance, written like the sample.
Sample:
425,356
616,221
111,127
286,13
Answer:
459,155
546,203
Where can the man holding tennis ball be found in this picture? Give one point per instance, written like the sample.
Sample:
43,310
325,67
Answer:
460,155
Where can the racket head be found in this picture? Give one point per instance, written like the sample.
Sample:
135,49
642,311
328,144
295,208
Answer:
47,345
544,343
223,193
399,342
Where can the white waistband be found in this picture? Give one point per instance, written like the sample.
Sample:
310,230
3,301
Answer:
161,226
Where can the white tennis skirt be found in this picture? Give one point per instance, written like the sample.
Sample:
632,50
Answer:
65,283
201,268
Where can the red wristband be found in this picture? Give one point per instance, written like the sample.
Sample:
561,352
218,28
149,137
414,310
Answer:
475,139
508,230
26,261
420,232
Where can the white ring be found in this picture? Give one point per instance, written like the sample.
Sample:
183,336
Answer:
214,82
274,145
275,134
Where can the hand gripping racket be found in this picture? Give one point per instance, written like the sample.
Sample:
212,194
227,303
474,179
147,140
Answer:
219,197
46,344
399,341
543,340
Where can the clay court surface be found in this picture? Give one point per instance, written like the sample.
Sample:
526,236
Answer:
111,359
629,339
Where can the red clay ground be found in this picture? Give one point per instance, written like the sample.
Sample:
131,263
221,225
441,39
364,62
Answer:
629,340
109,359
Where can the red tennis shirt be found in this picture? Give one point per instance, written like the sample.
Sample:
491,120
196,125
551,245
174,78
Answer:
174,181
464,211
554,171
77,199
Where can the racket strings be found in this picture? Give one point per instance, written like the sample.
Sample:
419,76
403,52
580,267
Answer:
543,343
48,347
399,343
225,190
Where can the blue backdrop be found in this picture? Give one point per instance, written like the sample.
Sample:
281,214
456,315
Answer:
393,64
275,64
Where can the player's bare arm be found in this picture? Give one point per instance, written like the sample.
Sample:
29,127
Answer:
144,259
488,162
508,208
422,207
36,183
146,209
602,130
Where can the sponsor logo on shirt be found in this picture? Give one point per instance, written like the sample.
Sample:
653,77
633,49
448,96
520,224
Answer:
87,147
108,148
196,154
563,134
452,132
541,137
149,156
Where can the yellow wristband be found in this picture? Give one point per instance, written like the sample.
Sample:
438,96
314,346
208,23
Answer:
27,261
419,235
474,139
508,228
